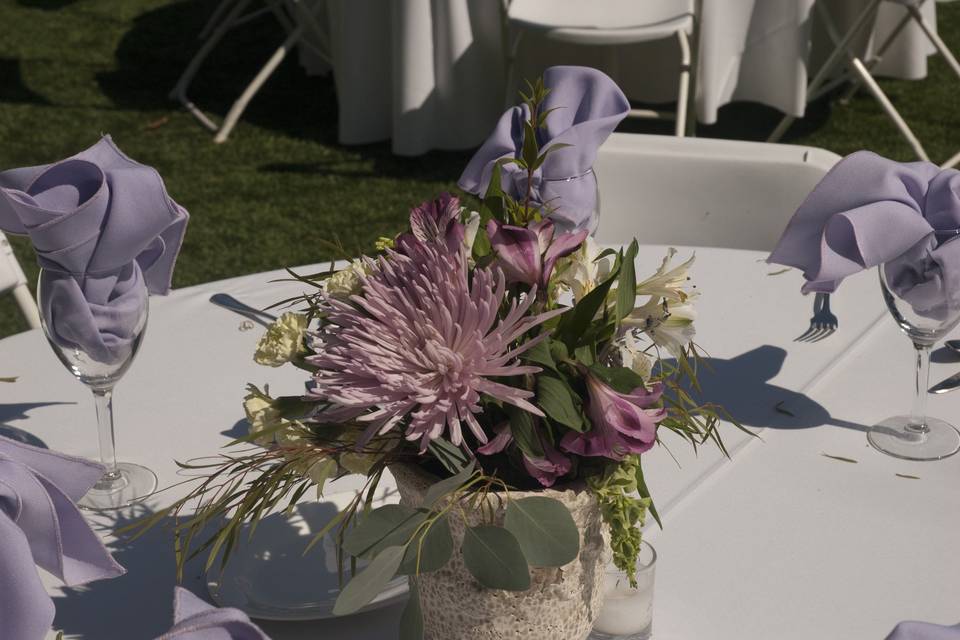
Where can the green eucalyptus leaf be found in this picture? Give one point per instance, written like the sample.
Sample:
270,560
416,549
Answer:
524,431
386,526
367,585
438,490
545,530
556,399
627,285
435,548
411,621
494,557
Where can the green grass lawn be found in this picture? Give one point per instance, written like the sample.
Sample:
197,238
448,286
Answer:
282,188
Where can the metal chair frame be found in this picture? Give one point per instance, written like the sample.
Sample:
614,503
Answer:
296,18
858,72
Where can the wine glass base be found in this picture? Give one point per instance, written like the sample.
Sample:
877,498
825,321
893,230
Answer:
893,437
137,482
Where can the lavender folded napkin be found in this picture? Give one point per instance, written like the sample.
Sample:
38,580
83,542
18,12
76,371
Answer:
869,210
589,105
39,525
194,619
910,630
103,226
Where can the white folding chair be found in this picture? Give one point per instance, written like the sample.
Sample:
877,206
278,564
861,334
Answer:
859,71
703,192
611,23
302,28
13,279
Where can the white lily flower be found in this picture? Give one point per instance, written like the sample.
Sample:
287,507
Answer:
670,326
581,271
668,283
633,357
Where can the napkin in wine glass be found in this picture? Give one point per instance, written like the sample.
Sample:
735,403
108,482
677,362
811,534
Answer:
102,226
868,211
589,105
910,630
40,525
194,619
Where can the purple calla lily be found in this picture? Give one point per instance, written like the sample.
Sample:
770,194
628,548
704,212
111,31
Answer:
623,423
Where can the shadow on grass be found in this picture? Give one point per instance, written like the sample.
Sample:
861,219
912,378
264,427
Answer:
12,86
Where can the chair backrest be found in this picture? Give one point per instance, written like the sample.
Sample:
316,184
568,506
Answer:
701,192
13,279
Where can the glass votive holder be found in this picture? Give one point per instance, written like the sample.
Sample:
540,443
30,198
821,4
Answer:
627,612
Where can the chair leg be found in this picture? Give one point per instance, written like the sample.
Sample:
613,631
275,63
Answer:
936,40
876,58
179,91
241,103
839,51
213,19
511,71
888,107
21,294
691,105
952,162
683,97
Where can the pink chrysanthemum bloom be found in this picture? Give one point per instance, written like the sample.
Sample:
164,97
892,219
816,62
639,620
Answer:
423,341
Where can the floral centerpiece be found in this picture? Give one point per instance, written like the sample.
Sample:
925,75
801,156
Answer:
510,376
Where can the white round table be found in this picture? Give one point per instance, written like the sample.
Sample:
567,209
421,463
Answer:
430,73
781,542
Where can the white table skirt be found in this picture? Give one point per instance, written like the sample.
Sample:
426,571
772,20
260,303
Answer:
429,73
779,543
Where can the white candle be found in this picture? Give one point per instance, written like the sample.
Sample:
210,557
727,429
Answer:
628,612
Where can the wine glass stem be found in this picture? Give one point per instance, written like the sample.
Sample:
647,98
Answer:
111,480
918,414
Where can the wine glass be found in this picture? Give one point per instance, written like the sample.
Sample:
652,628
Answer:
123,483
926,314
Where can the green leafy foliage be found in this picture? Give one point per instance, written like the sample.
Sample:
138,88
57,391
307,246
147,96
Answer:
623,513
430,550
524,432
367,585
411,621
444,487
389,525
544,529
558,401
494,557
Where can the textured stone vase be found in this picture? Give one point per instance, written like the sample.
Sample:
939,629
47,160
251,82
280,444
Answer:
561,603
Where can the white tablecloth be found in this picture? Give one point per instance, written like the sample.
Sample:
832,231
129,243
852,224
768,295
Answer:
429,73
781,543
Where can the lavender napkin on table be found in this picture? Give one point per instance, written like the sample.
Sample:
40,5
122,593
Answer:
194,619
40,525
910,630
102,226
869,210
589,105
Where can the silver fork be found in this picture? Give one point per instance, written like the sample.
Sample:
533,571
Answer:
823,323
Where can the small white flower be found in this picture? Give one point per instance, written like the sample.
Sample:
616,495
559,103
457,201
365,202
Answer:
263,418
472,225
348,281
282,341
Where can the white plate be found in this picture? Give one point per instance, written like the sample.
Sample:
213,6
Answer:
270,578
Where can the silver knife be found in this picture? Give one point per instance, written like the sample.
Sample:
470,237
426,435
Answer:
951,383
